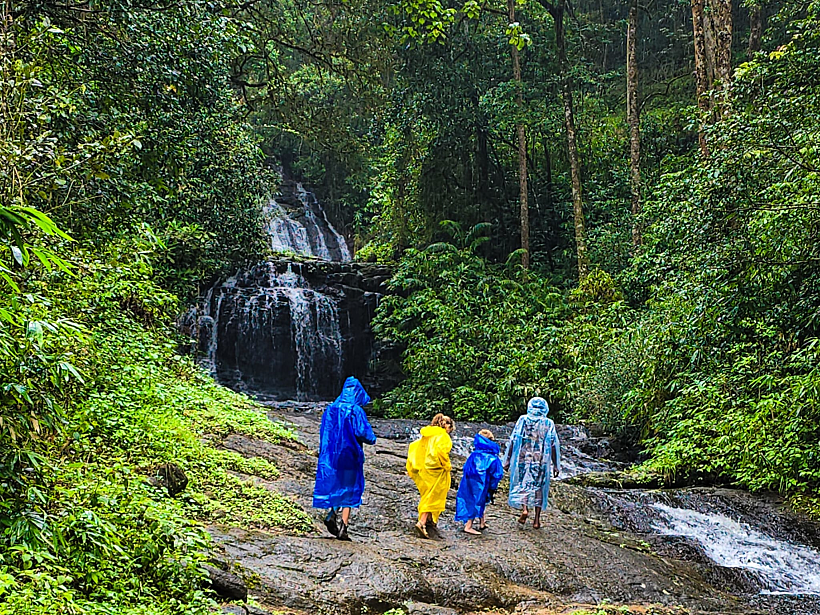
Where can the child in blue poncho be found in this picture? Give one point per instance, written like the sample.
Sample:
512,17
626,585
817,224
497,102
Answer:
479,480
340,471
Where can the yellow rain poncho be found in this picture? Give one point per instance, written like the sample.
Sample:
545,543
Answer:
428,464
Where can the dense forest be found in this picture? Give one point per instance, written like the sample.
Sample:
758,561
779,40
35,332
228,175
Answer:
612,205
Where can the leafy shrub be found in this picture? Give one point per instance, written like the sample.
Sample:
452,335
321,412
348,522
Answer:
479,342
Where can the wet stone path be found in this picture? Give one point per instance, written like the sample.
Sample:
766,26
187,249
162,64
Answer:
577,558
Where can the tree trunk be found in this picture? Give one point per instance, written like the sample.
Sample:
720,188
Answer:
633,119
755,28
572,142
522,150
722,19
701,80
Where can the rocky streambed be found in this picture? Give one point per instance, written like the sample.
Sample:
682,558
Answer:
683,551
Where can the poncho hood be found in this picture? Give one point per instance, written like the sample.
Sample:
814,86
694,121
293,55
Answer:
485,445
353,393
432,430
538,407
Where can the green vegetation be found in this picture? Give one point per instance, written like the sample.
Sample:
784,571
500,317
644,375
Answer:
84,531
668,292
700,342
127,175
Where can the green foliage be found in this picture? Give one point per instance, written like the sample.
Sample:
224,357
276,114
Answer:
702,345
718,373
82,530
128,124
479,340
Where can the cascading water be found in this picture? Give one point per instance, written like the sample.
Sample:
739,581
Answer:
298,224
742,541
287,330
779,567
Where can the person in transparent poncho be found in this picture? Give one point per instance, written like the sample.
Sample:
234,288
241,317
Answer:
533,456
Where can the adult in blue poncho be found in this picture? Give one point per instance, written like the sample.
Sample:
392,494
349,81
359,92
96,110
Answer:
533,456
340,471
480,477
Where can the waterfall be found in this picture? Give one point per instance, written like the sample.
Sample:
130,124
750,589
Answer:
298,223
291,330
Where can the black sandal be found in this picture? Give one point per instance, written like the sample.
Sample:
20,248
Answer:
343,533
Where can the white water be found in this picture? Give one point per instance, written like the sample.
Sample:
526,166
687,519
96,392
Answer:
286,234
304,233
782,568
309,201
316,336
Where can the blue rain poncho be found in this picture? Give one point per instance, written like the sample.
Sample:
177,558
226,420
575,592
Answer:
482,473
340,471
532,453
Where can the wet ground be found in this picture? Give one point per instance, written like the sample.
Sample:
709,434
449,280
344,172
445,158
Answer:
591,550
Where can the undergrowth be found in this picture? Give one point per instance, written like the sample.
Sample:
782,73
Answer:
83,531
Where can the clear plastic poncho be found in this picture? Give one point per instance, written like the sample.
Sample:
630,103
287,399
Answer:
533,451
340,471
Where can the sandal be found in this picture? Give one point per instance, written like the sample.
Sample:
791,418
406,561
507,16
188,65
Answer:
421,531
343,533
472,531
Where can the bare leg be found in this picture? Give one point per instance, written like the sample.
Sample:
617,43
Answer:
468,529
483,524
536,524
524,514
346,516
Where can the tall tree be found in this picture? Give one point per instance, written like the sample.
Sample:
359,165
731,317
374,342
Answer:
521,133
755,28
701,78
557,12
633,118
721,20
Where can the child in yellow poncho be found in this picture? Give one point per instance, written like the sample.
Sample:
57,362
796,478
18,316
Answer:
428,464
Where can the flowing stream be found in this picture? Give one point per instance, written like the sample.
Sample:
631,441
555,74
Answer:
780,567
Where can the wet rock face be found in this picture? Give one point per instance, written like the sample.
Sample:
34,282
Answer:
577,557
285,330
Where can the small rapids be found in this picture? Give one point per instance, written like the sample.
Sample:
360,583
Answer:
780,567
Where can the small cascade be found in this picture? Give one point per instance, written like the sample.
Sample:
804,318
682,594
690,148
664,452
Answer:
297,223
267,331
743,542
779,566
283,330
